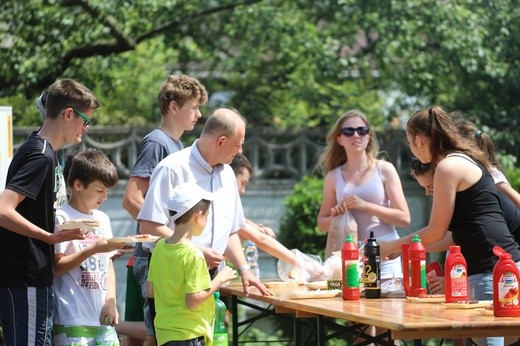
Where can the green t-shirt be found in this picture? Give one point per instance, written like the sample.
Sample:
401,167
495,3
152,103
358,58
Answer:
177,269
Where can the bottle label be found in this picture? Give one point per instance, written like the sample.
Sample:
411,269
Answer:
508,291
423,274
372,273
220,339
459,281
333,284
351,274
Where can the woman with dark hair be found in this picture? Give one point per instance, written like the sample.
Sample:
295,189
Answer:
465,201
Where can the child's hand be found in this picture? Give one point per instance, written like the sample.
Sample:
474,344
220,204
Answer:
103,245
225,275
109,315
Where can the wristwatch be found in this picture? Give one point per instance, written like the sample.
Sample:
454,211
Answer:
242,268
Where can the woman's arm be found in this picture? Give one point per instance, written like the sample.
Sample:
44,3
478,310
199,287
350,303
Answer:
329,201
509,192
448,179
442,245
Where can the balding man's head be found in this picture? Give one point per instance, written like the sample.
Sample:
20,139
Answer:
223,122
222,137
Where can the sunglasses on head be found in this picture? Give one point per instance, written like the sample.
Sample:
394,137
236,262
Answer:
349,131
418,166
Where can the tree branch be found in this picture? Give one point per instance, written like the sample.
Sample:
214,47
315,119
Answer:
121,44
176,22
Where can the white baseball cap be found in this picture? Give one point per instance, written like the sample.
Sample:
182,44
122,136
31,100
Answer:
184,197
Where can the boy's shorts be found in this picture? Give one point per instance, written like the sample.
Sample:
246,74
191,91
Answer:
85,335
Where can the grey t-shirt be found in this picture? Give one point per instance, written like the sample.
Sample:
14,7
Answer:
154,147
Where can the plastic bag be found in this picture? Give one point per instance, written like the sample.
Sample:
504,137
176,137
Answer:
340,227
307,268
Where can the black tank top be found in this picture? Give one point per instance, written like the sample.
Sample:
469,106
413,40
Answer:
511,215
478,224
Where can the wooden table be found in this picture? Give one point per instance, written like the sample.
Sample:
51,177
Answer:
402,318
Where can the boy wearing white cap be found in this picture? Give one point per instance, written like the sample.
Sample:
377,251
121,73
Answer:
178,277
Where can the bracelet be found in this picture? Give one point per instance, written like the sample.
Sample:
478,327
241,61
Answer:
242,268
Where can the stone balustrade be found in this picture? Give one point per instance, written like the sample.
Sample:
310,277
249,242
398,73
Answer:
274,154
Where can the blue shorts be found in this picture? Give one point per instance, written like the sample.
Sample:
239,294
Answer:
141,274
26,315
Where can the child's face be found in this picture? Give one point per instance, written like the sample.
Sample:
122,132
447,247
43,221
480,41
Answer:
201,219
92,196
242,181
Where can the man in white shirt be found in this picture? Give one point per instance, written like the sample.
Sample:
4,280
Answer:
206,162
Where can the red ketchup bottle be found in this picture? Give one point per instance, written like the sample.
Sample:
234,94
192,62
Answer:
350,276
417,260
505,285
455,276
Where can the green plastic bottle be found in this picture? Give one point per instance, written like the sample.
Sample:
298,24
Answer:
220,335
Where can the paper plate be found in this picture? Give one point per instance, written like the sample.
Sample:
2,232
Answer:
75,225
317,285
130,239
426,299
480,304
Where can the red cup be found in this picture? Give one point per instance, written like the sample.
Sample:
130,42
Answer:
406,268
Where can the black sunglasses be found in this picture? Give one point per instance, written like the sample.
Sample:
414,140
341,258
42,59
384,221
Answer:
349,131
418,166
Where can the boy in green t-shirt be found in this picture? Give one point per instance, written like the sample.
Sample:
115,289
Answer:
178,277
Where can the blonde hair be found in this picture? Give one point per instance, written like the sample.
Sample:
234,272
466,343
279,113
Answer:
334,154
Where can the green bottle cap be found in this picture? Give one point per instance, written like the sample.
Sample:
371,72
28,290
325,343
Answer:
416,239
349,239
216,294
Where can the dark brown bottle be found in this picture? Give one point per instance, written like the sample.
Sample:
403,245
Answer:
372,268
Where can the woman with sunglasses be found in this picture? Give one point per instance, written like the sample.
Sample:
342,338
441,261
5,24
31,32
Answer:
355,180
465,201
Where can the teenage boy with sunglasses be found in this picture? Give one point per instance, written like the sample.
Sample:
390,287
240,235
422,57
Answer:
27,216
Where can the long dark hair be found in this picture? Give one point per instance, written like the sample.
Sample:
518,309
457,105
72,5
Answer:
434,123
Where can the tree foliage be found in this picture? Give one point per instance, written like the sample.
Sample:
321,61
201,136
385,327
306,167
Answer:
287,63
298,228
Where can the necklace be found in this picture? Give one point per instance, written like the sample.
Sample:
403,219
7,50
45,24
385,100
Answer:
348,175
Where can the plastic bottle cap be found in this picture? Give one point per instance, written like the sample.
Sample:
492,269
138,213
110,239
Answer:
505,256
349,238
454,249
416,239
